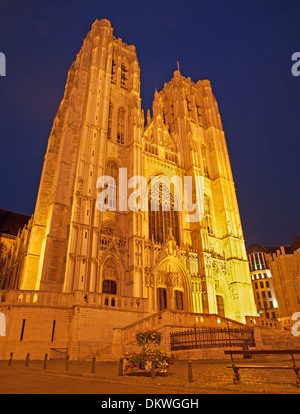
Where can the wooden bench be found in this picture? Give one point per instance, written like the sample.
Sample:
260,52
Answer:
249,353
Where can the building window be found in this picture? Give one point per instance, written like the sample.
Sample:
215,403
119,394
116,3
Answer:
252,262
109,286
123,76
178,300
161,299
113,71
22,329
109,127
53,330
112,170
121,126
160,221
204,159
220,305
207,215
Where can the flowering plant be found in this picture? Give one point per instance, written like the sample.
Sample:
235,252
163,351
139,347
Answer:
143,360
151,352
149,336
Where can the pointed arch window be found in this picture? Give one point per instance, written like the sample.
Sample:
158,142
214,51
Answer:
178,300
207,214
113,171
109,127
123,76
113,71
204,159
159,220
220,305
161,299
121,126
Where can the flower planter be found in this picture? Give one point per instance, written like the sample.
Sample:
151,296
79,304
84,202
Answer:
138,362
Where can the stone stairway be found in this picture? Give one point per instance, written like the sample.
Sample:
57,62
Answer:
266,337
278,339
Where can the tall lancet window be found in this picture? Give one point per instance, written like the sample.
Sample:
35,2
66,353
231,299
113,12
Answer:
220,305
121,126
207,215
204,159
123,76
109,127
161,220
113,71
113,171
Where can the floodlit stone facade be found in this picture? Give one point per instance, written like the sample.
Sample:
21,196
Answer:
112,268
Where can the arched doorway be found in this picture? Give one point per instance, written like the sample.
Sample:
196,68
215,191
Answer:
171,286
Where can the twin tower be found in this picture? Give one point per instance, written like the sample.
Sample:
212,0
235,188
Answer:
159,257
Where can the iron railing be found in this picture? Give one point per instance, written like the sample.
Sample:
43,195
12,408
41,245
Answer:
212,338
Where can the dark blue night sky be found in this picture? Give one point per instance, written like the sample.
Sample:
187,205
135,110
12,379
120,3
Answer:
243,47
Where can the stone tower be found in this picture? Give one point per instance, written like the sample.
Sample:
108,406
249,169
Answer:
185,137
161,257
99,120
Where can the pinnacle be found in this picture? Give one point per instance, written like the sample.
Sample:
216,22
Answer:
102,22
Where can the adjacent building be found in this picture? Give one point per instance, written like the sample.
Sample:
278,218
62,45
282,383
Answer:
262,282
275,273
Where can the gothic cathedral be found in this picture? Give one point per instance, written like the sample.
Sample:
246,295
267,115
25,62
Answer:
159,259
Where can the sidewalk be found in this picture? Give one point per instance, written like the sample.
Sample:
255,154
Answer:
208,377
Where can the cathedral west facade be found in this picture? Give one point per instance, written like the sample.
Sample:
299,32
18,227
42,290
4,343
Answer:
155,259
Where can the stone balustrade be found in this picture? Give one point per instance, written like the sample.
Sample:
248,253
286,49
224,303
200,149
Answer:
173,319
263,322
77,298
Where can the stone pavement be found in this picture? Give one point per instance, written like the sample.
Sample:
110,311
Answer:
209,377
